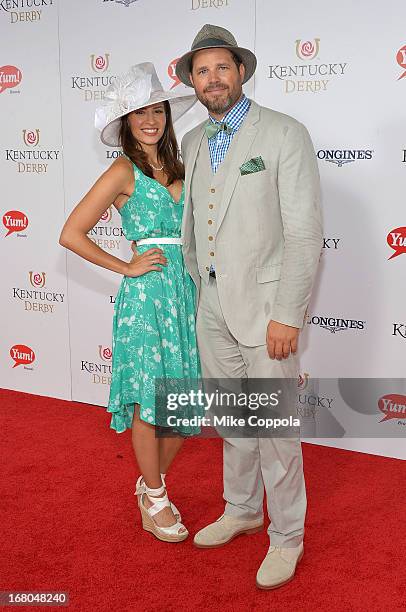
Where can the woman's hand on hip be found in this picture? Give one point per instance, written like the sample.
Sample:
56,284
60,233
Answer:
147,262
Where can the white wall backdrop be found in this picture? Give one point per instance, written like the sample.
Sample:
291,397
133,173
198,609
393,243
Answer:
337,68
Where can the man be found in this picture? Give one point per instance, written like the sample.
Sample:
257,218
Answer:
251,241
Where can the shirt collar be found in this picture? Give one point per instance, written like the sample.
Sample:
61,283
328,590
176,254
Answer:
235,115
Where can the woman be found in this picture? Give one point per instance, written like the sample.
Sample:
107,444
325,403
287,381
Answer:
153,327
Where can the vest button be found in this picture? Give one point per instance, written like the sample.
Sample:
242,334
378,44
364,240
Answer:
212,190
210,237
211,254
210,222
207,268
211,206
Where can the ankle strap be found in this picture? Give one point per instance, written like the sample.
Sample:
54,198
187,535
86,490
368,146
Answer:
154,492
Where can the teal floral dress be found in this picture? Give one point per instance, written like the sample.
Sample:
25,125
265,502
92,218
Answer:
154,335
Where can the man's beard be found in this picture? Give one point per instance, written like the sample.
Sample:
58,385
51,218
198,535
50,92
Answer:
219,105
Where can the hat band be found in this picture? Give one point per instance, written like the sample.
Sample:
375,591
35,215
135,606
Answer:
212,42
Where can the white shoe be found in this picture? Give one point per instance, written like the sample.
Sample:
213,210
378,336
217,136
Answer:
225,529
140,489
173,533
279,566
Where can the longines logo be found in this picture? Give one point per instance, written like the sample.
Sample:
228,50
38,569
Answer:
306,77
401,60
393,406
93,87
113,154
105,235
34,160
333,324
340,157
396,239
15,222
10,77
23,355
399,329
123,2
36,300
100,372
15,9
203,4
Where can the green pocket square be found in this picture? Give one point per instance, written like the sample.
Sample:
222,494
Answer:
256,164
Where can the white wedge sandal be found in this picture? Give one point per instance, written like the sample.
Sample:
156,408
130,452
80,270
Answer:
140,488
166,534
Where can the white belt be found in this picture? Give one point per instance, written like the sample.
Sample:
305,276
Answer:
159,241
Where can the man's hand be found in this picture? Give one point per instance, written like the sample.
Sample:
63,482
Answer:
281,340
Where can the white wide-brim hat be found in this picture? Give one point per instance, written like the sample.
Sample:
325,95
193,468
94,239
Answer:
138,88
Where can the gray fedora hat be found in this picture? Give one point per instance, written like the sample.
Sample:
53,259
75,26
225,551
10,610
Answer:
211,37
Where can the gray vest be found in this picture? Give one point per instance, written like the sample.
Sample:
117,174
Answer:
206,195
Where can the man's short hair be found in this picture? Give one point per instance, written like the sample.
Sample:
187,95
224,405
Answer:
236,58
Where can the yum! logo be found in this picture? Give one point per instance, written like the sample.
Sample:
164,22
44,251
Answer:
15,221
105,353
401,60
31,137
396,239
10,77
100,63
307,50
172,73
22,355
37,279
392,406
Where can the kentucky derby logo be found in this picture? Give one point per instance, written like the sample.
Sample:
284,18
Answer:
22,355
10,77
401,60
100,63
31,137
303,381
172,73
396,239
15,221
37,279
392,406
106,216
307,50
105,353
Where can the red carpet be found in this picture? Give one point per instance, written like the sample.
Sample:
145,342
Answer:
70,523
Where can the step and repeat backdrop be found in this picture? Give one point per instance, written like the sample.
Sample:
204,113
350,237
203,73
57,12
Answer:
340,70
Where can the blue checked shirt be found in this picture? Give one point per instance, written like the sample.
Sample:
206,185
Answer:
218,145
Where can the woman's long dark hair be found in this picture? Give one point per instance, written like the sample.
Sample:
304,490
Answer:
168,152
